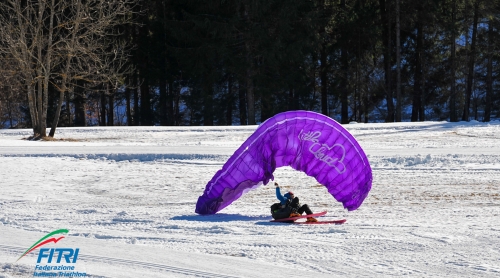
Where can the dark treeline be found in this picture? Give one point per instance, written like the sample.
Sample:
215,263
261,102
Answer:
188,62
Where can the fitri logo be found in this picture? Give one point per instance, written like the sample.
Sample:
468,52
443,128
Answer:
54,262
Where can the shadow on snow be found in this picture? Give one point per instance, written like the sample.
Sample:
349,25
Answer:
221,217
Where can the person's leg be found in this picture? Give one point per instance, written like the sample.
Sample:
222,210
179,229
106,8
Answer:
308,211
304,208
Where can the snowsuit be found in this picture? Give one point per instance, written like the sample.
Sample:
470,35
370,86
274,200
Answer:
287,205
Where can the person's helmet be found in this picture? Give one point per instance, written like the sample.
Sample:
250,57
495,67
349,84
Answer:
289,194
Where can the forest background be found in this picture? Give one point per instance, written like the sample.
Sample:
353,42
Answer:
187,62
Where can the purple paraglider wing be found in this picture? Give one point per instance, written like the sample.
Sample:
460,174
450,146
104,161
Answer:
306,141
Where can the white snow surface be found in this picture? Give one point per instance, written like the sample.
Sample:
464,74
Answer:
127,196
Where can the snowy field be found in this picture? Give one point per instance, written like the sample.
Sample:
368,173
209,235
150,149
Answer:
127,196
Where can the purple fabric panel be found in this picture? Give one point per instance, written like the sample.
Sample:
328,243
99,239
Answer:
306,141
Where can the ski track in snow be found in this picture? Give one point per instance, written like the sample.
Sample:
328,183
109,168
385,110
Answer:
433,209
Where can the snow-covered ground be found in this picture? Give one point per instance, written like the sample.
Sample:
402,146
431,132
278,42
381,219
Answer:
127,196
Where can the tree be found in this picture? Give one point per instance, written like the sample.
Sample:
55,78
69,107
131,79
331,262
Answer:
472,57
11,99
57,43
219,62
399,98
453,37
386,44
489,74
417,108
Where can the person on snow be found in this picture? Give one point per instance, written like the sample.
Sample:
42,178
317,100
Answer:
289,206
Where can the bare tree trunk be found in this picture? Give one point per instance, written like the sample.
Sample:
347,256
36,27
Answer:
489,74
111,106
23,54
58,113
344,109
62,89
453,92
250,101
164,99
417,86
398,65
103,109
168,105
47,70
386,37
32,106
423,91
464,66
42,125
136,98
390,95
127,101
470,76
41,132
146,114
42,121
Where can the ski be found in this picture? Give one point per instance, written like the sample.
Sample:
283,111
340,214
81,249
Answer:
299,217
337,222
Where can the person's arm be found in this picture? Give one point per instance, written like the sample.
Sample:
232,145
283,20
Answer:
278,194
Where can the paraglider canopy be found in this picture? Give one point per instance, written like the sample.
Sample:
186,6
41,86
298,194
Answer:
306,141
